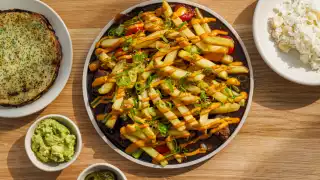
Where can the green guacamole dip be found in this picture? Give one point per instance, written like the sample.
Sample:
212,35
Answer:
53,142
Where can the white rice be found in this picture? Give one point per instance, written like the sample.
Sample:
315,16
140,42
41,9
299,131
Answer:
296,25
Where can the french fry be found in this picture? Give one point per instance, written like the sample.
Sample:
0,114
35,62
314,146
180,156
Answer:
112,121
215,57
106,88
94,65
226,108
187,115
179,134
205,26
110,42
150,38
167,9
219,41
208,48
154,96
149,150
99,81
237,70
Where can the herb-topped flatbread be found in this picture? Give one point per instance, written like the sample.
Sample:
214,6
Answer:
30,56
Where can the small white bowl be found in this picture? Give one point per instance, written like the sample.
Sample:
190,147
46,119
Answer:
63,35
102,166
50,167
286,65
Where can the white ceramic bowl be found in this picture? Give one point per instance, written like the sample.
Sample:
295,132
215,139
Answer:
65,65
102,166
148,164
53,166
286,65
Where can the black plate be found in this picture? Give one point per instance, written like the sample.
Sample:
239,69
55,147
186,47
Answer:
114,135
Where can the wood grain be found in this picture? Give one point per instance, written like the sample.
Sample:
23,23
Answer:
280,139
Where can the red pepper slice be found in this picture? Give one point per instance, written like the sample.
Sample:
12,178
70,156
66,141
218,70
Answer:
231,50
186,14
134,29
162,149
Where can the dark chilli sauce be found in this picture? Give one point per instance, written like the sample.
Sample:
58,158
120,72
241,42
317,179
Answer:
101,175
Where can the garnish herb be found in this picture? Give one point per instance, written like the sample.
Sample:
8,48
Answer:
132,111
203,96
118,31
151,78
182,83
139,88
96,102
135,102
124,117
139,16
169,83
139,58
181,25
169,104
127,43
168,23
164,39
123,79
177,148
106,118
163,129
159,93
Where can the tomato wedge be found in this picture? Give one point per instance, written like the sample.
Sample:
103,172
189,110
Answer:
162,149
231,50
134,29
184,12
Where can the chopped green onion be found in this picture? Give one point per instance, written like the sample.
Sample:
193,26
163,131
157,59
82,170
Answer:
118,31
181,25
139,88
170,105
169,83
127,43
164,39
106,118
182,83
139,58
235,88
203,96
177,148
168,23
139,16
157,90
135,102
133,112
163,129
96,102
169,155
124,117
123,79
151,78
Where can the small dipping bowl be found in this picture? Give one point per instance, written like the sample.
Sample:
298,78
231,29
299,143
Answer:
50,167
100,167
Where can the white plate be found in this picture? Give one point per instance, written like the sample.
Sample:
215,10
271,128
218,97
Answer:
65,65
91,114
289,65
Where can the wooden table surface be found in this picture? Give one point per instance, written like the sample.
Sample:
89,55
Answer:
280,139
